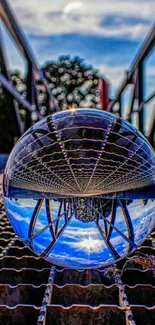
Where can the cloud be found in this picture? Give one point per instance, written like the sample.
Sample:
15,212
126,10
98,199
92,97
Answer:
79,262
115,73
71,6
86,17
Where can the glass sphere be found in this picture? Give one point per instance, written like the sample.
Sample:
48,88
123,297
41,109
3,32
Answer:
79,188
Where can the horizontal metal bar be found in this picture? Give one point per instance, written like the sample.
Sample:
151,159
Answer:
8,86
142,104
150,98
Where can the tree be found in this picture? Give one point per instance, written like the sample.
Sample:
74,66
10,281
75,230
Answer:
72,82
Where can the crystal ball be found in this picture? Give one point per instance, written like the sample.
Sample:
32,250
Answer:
79,188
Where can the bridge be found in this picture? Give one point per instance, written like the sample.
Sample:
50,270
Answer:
43,294
134,77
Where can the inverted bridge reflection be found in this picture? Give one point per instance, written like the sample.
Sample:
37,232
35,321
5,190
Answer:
79,188
52,229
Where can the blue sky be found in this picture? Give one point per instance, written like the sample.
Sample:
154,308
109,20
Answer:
107,34
81,244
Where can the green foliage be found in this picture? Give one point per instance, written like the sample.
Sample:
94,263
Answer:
72,82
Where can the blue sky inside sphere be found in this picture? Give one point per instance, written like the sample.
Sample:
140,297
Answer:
81,244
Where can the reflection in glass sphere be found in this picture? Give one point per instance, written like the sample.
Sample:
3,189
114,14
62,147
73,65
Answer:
79,188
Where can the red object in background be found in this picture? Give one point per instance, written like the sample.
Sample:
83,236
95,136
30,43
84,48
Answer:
104,94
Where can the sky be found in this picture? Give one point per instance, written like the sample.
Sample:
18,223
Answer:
80,244
107,34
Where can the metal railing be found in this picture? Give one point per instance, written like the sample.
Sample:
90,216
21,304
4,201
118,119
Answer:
136,77
30,103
